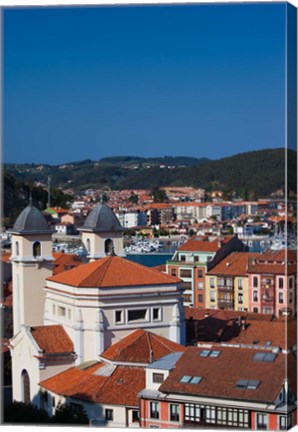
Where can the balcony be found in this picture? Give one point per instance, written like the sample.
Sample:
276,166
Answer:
226,304
225,287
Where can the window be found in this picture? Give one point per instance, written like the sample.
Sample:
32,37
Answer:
185,273
88,245
174,412
187,379
174,272
212,282
212,296
137,314
109,247
255,282
109,413
196,258
154,410
280,283
290,297
135,416
255,296
200,298
247,384
17,248
240,298
53,402
240,284
200,273
209,353
186,285
36,249
118,316
280,297
255,310
200,285
264,357
157,377
26,387
285,422
290,282
61,311
262,421
182,257
156,314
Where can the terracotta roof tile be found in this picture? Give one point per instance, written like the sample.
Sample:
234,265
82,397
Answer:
220,374
121,388
113,271
234,264
52,339
141,347
197,244
64,262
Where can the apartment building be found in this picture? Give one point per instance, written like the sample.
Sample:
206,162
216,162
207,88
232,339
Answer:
194,258
220,386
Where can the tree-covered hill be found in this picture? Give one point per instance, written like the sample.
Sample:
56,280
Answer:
256,173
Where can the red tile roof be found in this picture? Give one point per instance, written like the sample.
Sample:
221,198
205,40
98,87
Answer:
141,347
280,333
5,257
234,264
52,339
197,244
113,271
220,375
64,262
120,388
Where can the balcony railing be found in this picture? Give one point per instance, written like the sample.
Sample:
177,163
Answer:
225,287
226,303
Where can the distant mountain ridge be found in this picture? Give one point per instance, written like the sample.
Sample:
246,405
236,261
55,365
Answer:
255,173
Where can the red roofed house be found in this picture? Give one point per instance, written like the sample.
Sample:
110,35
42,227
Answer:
194,258
108,389
218,386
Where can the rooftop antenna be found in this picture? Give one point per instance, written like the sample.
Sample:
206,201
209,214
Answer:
49,191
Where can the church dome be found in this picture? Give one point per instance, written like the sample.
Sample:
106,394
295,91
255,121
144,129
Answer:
31,221
102,219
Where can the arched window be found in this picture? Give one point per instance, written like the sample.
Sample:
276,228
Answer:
25,387
36,249
109,247
88,245
17,248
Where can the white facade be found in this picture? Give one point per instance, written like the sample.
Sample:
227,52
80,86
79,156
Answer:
95,318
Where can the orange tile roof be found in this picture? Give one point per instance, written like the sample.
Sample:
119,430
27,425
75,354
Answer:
234,264
141,347
112,271
281,334
52,339
121,388
64,262
196,244
220,375
5,257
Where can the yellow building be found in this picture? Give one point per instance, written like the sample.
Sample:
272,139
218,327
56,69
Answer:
227,283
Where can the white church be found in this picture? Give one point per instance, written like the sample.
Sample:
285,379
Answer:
68,320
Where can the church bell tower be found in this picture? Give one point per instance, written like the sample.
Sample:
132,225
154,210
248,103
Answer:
102,233
31,258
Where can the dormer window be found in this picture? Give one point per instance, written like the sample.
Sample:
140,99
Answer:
36,249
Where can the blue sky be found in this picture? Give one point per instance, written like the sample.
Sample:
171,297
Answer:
193,80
